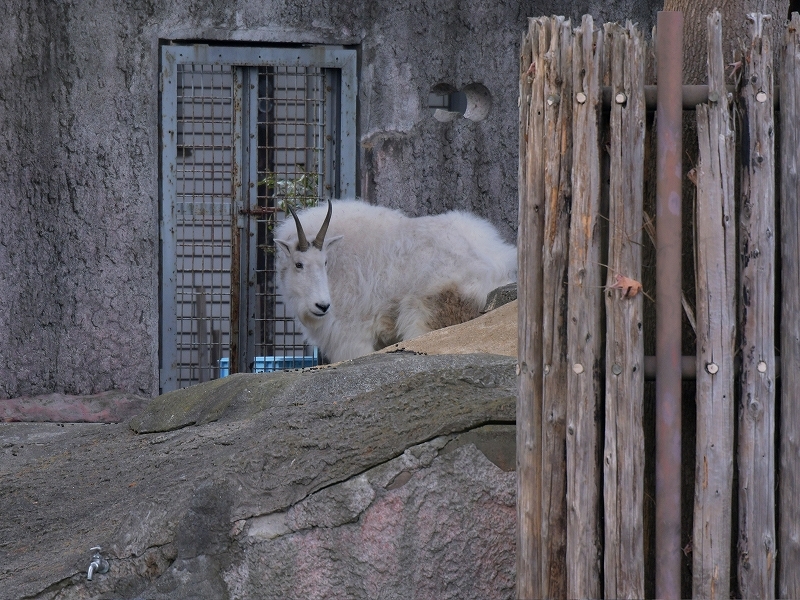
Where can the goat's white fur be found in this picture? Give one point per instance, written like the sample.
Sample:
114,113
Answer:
379,276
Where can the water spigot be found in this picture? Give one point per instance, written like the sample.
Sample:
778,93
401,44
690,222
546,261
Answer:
98,564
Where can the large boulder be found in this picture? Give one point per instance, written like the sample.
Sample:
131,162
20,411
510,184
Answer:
391,476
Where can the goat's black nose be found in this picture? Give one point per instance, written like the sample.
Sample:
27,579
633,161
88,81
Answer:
323,308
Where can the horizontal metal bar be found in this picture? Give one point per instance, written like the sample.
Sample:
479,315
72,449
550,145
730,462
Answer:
321,56
689,367
259,211
203,208
692,96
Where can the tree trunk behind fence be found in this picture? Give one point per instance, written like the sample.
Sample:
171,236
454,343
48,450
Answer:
529,402
757,307
558,187
733,23
624,437
789,487
584,327
716,332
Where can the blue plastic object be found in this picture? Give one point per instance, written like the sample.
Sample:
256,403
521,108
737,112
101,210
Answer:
268,364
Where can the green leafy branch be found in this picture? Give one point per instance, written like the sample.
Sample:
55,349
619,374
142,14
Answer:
302,191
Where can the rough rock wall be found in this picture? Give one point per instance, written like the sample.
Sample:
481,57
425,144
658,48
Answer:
78,250
79,162
432,523
393,473
411,160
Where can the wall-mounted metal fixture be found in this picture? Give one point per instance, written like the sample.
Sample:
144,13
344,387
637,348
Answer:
98,564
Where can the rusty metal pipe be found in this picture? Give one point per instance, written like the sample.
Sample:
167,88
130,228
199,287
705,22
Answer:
669,115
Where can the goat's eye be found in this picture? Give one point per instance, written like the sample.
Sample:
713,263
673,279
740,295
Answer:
298,265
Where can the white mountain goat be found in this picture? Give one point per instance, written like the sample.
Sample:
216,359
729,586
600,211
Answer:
373,276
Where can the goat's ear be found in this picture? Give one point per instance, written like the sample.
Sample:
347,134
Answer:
284,246
333,240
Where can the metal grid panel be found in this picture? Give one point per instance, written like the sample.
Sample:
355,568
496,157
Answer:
243,131
291,122
290,127
203,220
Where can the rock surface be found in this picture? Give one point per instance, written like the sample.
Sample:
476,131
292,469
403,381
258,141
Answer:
386,477
106,407
500,296
494,333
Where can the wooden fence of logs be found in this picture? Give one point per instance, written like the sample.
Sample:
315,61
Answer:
582,366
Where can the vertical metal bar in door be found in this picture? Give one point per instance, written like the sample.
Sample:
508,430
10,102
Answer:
243,242
669,56
346,119
249,240
331,181
238,344
168,249
269,313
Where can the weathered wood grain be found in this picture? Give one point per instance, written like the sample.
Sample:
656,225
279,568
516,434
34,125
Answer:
756,452
789,486
716,331
557,145
531,227
584,326
558,196
623,464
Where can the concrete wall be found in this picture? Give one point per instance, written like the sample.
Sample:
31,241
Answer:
79,152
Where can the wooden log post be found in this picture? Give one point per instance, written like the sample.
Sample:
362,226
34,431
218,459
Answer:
716,331
789,452
623,463
584,326
531,227
558,196
756,455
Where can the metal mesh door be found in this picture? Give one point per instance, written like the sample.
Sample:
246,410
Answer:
291,124
203,220
239,141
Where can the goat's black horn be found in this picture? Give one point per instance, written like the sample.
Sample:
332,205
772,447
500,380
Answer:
320,239
302,242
